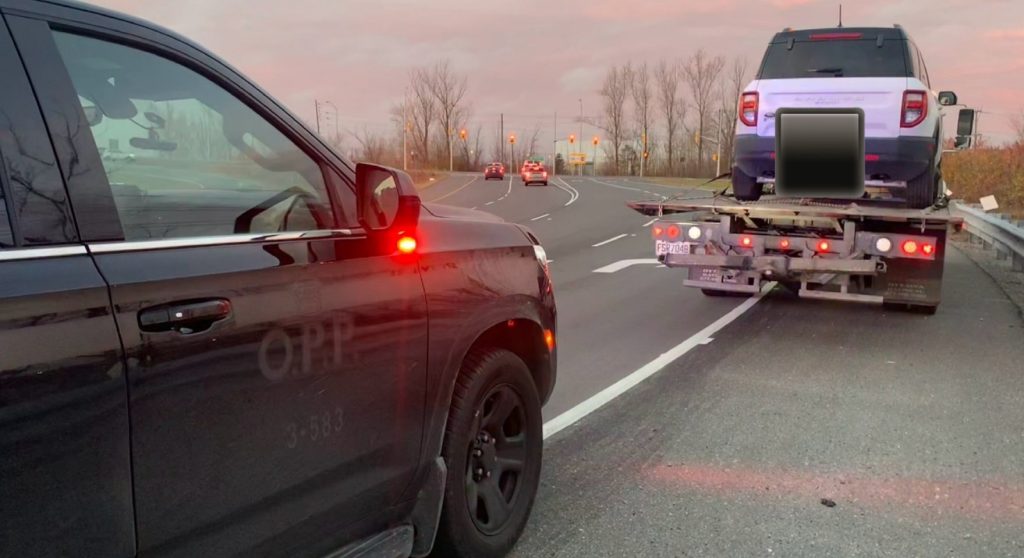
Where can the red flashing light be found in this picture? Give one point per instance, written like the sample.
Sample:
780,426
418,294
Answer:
748,108
836,36
549,339
406,244
823,246
746,241
871,157
673,231
784,244
927,249
772,155
909,247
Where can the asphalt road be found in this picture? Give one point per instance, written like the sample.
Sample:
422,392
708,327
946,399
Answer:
754,416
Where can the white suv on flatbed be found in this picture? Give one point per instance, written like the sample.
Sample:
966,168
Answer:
877,69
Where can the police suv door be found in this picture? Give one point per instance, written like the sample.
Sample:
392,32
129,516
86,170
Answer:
275,356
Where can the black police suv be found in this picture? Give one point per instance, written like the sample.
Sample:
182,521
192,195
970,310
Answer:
236,342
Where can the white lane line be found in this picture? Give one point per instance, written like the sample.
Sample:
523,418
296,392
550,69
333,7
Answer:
489,203
539,217
623,264
610,240
574,194
609,393
471,180
651,222
621,187
509,190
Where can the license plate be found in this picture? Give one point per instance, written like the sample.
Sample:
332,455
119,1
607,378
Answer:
663,247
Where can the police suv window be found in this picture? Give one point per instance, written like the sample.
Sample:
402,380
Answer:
184,157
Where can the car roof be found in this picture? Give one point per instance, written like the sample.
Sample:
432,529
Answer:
886,33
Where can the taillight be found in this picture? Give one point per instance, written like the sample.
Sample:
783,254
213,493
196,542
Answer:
406,244
823,246
673,231
746,241
927,249
657,231
915,108
748,109
909,247
836,36
784,244
545,174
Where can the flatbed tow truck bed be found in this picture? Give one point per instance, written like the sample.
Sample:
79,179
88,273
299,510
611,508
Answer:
866,250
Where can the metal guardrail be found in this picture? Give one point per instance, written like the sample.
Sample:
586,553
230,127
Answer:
1006,236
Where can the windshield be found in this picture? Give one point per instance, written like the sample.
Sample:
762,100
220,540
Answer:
838,58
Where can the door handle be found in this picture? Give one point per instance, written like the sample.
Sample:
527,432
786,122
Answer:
186,317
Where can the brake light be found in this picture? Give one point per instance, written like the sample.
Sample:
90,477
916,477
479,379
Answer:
823,246
657,231
549,339
748,108
915,108
673,231
545,174
784,244
836,36
871,157
746,241
927,249
406,244
909,247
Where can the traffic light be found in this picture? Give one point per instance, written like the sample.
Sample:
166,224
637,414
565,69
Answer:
596,140
463,134
512,138
647,154
572,139
696,138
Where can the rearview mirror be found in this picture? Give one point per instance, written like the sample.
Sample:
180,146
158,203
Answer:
947,98
386,197
150,144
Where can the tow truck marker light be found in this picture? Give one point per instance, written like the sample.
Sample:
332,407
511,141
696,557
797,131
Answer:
927,249
909,247
784,243
883,244
657,231
823,246
693,233
746,241
673,231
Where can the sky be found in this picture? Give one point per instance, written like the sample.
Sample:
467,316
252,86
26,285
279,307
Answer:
531,59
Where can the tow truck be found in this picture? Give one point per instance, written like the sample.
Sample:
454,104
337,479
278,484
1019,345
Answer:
865,250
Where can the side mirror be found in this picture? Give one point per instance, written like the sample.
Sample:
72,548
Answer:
947,98
386,197
965,122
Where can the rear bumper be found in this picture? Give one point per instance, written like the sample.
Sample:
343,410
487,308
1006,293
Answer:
899,159
494,175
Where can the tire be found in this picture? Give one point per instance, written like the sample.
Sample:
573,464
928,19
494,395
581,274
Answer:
923,190
745,188
545,183
488,378
926,309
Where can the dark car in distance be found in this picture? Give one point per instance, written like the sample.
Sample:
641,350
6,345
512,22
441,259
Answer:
242,343
494,170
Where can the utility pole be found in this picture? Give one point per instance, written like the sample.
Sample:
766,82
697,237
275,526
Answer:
718,154
316,104
581,132
643,151
451,159
554,148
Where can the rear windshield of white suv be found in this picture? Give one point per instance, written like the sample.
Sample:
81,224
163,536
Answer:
843,58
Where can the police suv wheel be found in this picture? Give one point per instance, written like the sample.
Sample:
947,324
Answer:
493,448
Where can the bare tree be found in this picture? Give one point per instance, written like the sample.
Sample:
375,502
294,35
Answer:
1017,121
423,112
736,80
701,72
373,147
531,145
614,91
671,106
448,90
642,99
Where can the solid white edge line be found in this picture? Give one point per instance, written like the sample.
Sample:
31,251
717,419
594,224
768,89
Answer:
539,217
574,194
609,393
651,222
471,180
489,203
623,264
610,240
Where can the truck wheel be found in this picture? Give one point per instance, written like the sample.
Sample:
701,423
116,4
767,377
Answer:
493,447
745,188
926,309
922,191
